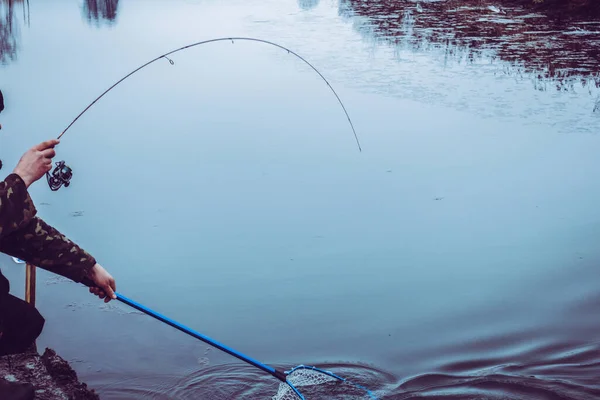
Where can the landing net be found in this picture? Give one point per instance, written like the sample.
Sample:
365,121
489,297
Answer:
305,383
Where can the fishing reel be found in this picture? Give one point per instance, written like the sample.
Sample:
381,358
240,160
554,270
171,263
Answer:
61,175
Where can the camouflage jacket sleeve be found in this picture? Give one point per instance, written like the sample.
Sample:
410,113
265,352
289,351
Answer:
27,237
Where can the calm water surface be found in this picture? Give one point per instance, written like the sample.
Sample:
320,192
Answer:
455,257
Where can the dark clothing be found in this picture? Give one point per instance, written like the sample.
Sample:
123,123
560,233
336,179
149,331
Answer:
25,236
4,285
16,391
20,325
1,101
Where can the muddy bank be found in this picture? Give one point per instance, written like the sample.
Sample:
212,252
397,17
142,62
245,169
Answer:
52,377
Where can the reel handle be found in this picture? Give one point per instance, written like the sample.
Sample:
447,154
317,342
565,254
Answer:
61,175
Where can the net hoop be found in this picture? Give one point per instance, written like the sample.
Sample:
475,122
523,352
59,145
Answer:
296,378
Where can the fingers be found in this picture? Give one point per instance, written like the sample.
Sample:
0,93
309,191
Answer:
98,292
49,153
106,292
47,145
110,289
105,284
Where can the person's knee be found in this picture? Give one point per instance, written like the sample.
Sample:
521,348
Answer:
36,323
22,325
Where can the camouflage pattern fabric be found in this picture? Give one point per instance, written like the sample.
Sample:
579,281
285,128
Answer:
25,236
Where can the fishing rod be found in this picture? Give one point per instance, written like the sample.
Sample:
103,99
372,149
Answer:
63,173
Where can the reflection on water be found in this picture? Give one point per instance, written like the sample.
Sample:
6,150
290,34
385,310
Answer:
308,4
558,54
101,11
449,204
8,30
94,11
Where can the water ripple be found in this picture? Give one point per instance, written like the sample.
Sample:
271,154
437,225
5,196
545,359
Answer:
559,373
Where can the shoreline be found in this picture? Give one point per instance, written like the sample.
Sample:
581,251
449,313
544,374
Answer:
51,376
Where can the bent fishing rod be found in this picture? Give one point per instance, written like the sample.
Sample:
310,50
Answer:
62,173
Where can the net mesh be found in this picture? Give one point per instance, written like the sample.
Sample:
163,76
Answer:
301,378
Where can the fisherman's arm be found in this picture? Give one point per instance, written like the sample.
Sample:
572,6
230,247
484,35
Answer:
42,245
16,207
24,235
29,238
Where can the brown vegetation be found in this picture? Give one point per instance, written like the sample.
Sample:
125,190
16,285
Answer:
558,51
563,8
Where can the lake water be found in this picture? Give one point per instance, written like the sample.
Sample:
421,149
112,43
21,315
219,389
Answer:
455,257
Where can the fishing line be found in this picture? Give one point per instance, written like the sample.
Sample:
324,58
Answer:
62,174
291,381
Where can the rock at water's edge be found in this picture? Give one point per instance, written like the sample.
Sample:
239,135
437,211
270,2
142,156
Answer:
52,377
